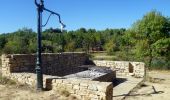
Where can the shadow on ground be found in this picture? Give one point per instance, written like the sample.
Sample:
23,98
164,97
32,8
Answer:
118,81
142,94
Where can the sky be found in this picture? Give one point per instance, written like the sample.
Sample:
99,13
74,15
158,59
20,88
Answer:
97,14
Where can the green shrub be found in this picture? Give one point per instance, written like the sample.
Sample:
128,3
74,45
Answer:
160,64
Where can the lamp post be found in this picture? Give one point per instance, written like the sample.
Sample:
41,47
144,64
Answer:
40,9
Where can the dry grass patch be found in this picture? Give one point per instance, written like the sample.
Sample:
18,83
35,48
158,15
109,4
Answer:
155,80
6,81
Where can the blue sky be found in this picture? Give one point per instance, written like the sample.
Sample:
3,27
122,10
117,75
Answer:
98,14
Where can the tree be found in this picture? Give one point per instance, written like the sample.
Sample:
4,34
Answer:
32,46
110,47
152,27
70,46
47,46
2,41
162,48
16,46
154,23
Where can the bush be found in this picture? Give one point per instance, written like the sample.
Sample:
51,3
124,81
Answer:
160,64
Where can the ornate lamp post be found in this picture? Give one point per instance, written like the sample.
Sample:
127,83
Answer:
40,9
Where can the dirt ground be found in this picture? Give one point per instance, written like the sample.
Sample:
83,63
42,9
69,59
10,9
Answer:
13,91
25,93
157,88
19,93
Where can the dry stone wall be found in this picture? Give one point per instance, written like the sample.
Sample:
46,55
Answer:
82,89
21,67
85,89
136,69
30,78
52,64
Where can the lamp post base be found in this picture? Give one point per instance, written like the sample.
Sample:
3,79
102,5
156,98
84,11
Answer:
39,79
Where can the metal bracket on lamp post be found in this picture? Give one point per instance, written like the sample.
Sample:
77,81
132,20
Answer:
40,8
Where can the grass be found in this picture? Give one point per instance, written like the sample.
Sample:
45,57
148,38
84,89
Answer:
65,93
116,56
101,56
6,81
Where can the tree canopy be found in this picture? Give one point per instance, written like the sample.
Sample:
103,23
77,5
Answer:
147,40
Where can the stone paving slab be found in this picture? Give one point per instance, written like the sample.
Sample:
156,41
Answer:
123,89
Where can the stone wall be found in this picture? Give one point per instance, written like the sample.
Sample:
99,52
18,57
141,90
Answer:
30,78
65,64
85,89
52,64
21,67
136,69
82,89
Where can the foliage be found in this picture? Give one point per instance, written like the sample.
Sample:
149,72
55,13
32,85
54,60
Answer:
162,47
147,40
151,28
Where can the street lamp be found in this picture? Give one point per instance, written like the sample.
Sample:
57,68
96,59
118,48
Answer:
40,9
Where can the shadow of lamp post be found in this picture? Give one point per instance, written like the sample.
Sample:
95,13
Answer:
40,9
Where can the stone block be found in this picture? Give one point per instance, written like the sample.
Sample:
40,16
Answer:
58,80
76,87
93,87
83,87
84,84
72,91
69,86
82,92
104,86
